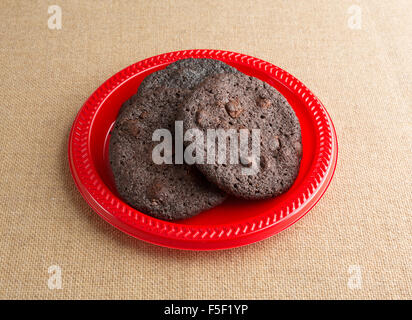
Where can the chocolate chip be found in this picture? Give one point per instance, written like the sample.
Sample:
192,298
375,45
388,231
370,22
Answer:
246,161
298,148
130,127
274,143
201,118
143,115
233,108
264,103
156,190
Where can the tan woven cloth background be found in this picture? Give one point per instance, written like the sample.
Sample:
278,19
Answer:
363,76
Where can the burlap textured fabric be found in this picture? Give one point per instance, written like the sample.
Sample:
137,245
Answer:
361,227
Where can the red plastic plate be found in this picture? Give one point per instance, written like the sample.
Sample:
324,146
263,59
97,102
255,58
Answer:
235,222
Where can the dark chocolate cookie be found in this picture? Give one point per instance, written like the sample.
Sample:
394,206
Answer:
235,101
166,191
184,74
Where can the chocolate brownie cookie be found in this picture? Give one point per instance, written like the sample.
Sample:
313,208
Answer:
185,74
166,191
236,101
